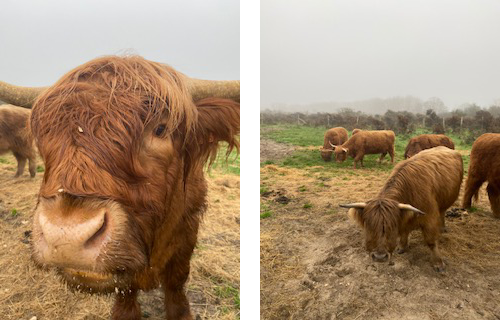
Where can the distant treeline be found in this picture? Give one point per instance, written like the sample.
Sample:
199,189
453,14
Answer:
471,122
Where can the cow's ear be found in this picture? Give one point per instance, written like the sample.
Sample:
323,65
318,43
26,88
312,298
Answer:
218,120
356,215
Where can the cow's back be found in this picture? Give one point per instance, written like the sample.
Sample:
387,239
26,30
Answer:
432,176
335,136
371,142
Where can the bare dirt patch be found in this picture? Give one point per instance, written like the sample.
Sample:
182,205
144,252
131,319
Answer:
314,265
25,291
274,151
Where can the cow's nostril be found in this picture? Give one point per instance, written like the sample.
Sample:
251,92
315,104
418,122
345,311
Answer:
94,239
380,257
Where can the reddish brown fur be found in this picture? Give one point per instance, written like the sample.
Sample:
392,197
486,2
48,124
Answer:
95,131
429,181
15,137
355,131
484,166
366,142
427,141
335,136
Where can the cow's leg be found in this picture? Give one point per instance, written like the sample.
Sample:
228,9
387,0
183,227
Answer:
382,157
391,153
443,226
21,163
358,158
494,196
126,306
32,165
176,274
472,186
431,236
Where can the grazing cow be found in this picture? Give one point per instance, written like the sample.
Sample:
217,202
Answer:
15,137
427,141
415,196
484,166
124,141
366,142
334,136
355,131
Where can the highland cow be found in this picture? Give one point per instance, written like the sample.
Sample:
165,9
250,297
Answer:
354,131
334,136
484,166
415,196
124,141
427,141
14,137
366,142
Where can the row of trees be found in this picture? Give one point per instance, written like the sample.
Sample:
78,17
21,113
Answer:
468,121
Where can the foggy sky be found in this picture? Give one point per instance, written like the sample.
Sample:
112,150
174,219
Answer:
42,40
319,50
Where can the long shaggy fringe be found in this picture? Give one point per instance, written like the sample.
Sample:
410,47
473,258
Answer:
89,127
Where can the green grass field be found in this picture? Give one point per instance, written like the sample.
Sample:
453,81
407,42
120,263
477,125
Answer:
304,136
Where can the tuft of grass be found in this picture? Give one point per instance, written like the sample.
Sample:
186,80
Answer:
227,291
3,160
40,169
231,165
13,212
265,211
307,205
472,209
302,188
263,189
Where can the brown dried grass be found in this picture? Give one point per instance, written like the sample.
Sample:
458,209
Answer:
26,291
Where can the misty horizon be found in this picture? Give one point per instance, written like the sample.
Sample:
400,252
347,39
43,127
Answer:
344,51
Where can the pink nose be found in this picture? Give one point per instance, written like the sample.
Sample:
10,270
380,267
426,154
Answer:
70,241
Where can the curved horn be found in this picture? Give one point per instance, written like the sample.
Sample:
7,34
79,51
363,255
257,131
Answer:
200,89
332,144
403,206
357,205
19,96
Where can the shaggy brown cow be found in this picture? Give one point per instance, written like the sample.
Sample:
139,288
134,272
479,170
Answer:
366,142
334,136
429,181
124,141
484,166
355,131
14,137
427,141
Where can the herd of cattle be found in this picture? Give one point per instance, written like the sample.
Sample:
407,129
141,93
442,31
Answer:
419,190
124,142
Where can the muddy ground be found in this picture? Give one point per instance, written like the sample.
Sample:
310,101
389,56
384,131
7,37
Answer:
314,265
25,291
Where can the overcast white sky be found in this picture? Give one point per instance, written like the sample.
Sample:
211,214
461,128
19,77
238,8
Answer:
345,50
42,40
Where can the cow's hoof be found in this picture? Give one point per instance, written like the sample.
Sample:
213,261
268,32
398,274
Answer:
440,268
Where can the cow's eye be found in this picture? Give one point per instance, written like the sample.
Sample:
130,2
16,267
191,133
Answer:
159,130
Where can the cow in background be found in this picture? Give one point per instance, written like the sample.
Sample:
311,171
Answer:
427,141
15,137
334,136
366,142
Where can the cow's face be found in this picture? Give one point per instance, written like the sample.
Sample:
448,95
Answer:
124,148
340,153
380,220
326,154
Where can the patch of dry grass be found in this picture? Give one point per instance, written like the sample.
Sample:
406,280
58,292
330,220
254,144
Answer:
26,291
